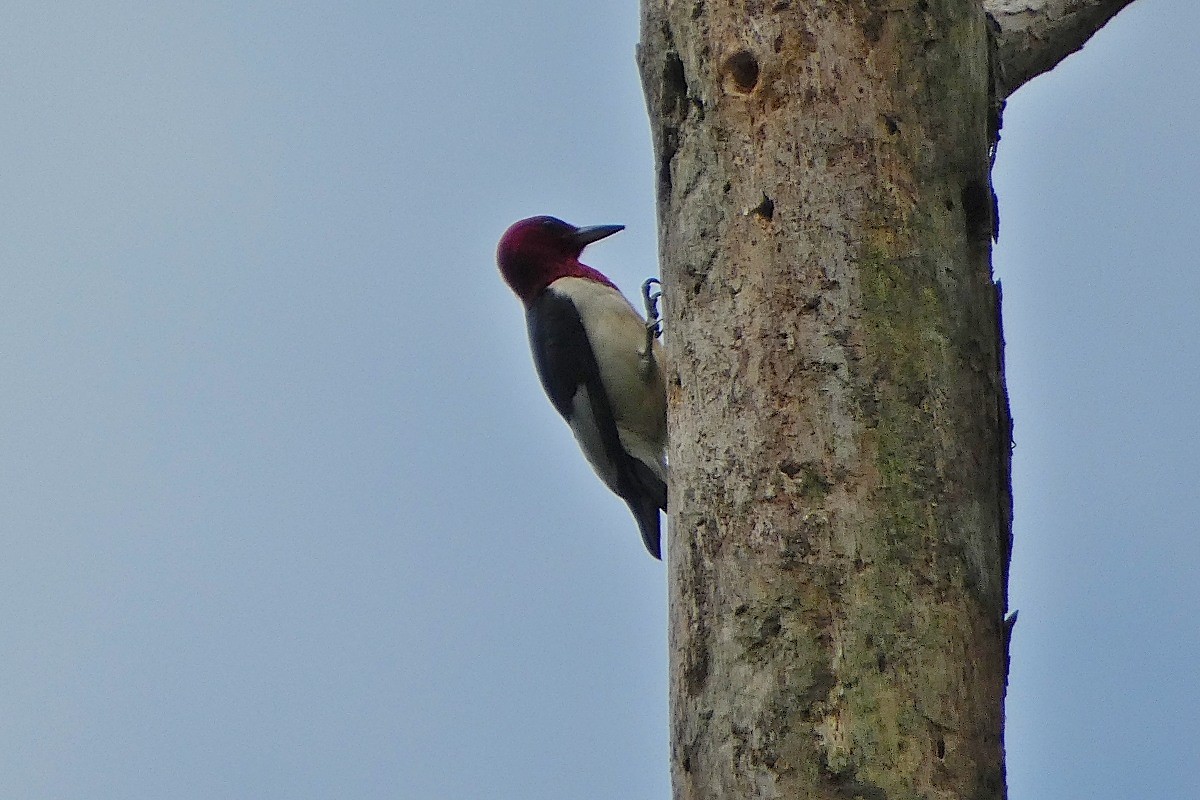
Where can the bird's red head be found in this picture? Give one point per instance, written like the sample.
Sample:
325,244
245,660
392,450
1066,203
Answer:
535,252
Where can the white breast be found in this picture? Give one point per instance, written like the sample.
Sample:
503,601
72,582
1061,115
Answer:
636,389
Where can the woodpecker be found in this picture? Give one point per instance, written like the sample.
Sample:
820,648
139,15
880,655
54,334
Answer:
597,359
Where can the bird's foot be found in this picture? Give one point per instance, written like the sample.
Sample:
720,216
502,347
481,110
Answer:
652,293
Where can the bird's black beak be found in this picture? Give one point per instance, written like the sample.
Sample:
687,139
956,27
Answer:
593,233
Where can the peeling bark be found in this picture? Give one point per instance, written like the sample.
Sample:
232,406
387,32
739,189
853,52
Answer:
1034,35
840,439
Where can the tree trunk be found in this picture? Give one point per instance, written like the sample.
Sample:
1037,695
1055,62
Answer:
840,440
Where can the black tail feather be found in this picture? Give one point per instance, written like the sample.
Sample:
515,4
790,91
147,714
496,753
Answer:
645,511
645,501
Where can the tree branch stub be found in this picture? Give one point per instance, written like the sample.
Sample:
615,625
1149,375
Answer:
1032,36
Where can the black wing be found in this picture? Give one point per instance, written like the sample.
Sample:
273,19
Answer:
562,353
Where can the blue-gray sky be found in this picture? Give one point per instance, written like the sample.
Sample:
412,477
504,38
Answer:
285,513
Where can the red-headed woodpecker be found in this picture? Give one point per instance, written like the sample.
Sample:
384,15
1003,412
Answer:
601,369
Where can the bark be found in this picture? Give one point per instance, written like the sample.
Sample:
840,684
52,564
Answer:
839,431
1033,35
839,533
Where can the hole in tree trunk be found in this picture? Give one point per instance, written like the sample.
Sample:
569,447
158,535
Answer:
741,71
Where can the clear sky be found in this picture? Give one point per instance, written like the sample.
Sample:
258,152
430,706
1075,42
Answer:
284,511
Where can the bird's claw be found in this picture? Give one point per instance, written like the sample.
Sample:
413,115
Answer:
651,293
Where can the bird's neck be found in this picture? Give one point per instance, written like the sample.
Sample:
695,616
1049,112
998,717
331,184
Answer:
571,268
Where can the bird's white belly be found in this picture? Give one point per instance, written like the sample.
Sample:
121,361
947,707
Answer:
634,383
